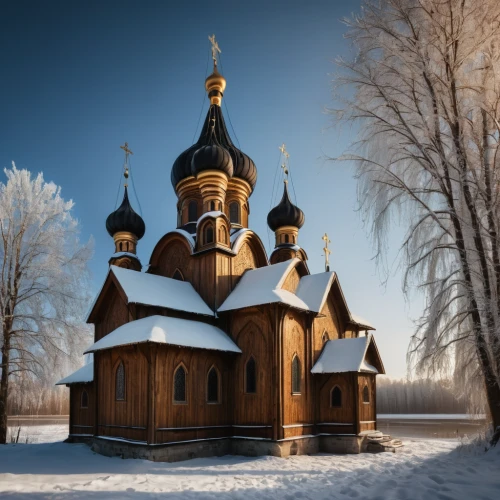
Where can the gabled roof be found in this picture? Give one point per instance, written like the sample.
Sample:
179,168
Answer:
348,355
83,375
167,330
358,320
263,286
313,289
153,290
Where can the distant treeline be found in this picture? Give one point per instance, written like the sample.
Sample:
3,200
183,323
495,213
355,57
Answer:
30,396
420,396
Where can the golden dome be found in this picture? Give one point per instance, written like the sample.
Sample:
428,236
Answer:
215,85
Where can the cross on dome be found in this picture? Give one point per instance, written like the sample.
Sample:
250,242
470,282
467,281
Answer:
215,49
327,251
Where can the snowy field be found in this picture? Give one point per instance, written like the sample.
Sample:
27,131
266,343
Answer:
427,469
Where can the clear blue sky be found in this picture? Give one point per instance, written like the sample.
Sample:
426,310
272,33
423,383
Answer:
81,78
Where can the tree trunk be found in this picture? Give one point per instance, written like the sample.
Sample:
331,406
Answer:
4,388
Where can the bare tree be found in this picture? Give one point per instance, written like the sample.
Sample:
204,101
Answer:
43,280
426,97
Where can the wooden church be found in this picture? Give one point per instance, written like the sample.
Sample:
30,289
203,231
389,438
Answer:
216,348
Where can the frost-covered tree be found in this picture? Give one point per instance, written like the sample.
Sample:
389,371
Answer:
43,280
424,89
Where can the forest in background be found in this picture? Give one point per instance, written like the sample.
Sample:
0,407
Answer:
34,397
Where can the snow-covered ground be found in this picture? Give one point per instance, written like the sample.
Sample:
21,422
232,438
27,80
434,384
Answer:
426,469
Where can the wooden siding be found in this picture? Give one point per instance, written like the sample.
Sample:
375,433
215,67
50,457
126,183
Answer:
113,315
81,420
296,407
328,321
128,418
292,281
367,411
346,413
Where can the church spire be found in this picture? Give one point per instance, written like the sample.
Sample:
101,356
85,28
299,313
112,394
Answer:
125,226
215,83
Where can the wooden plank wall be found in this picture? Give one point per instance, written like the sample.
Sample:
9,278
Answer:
126,419
195,419
328,321
253,334
115,314
366,410
297,408
82,420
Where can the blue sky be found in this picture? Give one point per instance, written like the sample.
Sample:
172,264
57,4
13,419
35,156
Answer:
81,78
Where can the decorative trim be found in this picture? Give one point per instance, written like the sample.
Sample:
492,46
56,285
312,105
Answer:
368,422
335,423
192,428
122,426
252,426
291,426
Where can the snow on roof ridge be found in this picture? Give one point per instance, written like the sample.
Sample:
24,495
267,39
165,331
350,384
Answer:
83,375
344,355
361,321
309,284
167,330
188,236
263,286
212,213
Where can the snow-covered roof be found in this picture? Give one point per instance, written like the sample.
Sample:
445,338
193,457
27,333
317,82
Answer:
313,289
81,376
263,286
190,238
344,355
361,321
213,213
124,254
153,290
167,330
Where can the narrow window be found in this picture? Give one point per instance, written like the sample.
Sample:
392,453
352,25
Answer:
366,394
296,375
287,239
325,338
180,385
192,211
84,403
223,235
213,386
336,397
178,275
121,246
212,206
209,234
120,382
234,212
251,376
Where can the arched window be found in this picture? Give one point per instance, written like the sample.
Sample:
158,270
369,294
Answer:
223,235
180,385
296,375
84,402
209,234
325,338
287,239
120,383
213,386
178,275
366,394
251,376
234,212
192,211
121,246
336,397
212,206
293,240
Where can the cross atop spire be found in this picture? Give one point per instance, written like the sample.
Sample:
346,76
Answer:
327,252
125,166
284,165
215,49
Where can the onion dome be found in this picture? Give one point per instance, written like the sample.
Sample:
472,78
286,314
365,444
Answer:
212,157
125,219
285,213
215,132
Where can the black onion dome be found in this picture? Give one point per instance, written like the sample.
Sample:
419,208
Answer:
212,157
125,219
243,166
285,214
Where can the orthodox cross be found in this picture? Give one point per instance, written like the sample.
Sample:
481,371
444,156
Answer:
127,153
215,49
327,252
284,166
